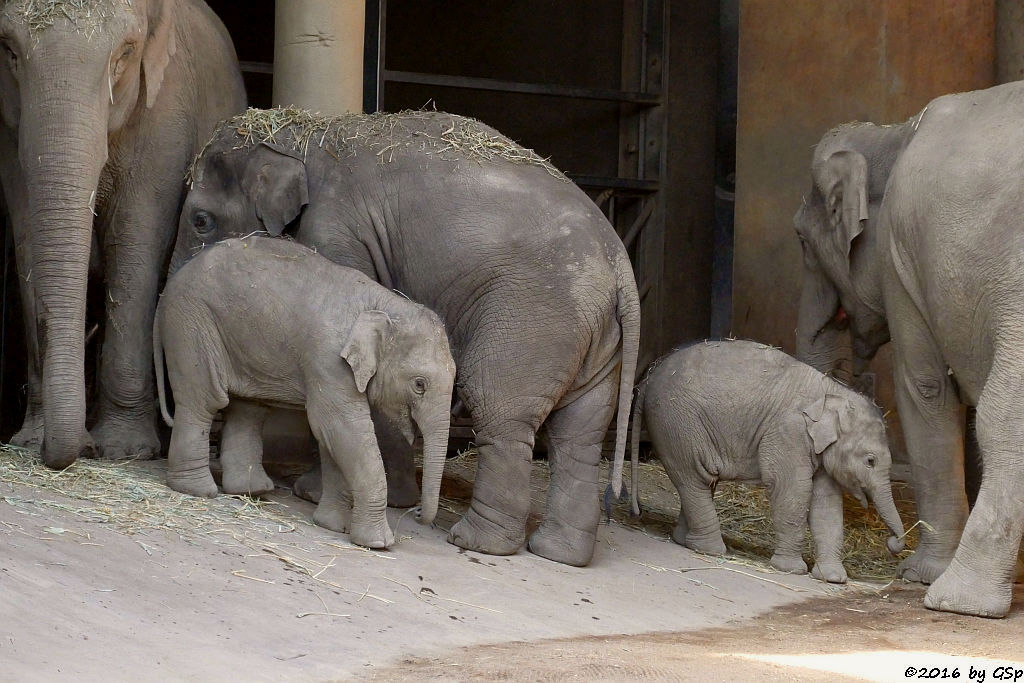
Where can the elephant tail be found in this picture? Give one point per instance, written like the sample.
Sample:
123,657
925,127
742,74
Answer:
629,323
158,366
634,447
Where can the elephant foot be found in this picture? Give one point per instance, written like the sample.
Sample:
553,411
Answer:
965,592
680,531
58,461
334,517
251,481
402,492
31,433
711,544
922,567
124,440
830,572
376,535
789,564
564,544
309,486
474,532
199,483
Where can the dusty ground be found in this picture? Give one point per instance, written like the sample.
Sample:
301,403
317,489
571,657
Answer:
82,595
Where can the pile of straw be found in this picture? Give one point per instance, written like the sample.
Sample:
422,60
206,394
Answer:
40,15
387,135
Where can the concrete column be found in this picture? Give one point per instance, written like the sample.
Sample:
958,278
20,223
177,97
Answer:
318,54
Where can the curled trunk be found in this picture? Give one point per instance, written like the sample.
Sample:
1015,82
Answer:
882,498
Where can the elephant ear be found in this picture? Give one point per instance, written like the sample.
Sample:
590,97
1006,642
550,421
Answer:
161,44
365,343
822,425
275,180
846,194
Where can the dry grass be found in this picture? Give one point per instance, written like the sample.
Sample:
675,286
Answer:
40,15
387,135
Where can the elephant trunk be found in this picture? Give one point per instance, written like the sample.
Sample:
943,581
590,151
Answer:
63,147
435,448
881,496
819,339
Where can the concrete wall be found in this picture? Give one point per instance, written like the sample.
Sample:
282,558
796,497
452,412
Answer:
804,67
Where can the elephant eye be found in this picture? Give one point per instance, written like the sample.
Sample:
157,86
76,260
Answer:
419,385
12,57
203,222
870,461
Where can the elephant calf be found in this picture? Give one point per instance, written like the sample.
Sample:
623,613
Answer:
259,322
739,410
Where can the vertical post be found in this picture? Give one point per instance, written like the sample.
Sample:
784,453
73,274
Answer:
318,54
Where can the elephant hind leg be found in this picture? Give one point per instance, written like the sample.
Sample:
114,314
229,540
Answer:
979,580
241,449
576,435
188,457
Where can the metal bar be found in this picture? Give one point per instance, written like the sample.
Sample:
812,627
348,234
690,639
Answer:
257,67
371,56
382,37
646,99
625,184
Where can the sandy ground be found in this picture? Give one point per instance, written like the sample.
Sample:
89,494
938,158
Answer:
82,599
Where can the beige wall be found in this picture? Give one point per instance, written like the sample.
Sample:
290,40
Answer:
804,67
318,54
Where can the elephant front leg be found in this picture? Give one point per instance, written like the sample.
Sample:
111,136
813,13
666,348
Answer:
241,449
135,240
575,436
826,520
979,580
789,488
188,458
353,473
931,419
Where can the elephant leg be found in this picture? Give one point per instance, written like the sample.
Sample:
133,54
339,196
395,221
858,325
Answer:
575,437
241,449
399,464
31,433
188,457
826,520
931,419
979,579
309,485
790,498
697,527
136,240
350,462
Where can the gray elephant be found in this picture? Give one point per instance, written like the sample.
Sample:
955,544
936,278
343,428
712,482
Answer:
913,232
532,282
263,322
739,410
104,103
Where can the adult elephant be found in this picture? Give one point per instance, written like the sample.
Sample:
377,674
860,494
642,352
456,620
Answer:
533,284
104,103
914,232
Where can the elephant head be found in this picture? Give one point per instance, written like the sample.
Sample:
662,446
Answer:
72,76
848,433
405,367
234,189
836,225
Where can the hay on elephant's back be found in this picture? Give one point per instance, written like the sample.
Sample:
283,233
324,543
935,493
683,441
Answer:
386,134
40,15
132,497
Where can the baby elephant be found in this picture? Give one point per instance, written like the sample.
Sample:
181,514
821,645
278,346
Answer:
739,410
257,322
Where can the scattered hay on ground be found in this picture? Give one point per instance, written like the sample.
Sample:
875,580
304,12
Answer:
386,134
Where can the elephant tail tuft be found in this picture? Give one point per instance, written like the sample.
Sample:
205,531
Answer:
634,447
158,366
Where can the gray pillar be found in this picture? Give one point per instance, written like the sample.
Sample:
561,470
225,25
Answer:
318,54
1009,40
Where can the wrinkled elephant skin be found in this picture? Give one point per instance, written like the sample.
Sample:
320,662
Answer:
103,105
261,322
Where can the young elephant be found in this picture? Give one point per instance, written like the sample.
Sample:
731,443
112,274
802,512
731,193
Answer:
739,410
273,324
